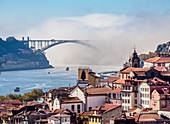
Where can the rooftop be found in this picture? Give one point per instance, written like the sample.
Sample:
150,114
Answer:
110,79
118,90
96,91
158,60
71,100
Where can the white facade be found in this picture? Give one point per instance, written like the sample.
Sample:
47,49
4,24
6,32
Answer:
77,93
76,107
144,95
150,64
56,104
95,101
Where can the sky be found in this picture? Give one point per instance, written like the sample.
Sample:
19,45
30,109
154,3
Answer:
112,26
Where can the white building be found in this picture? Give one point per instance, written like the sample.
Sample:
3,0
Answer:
91,97
59,119
71,103
157,61
144,95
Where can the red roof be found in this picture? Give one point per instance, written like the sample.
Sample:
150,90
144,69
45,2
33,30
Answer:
129,69
118,90
120,81
11,102
96,91
110,79
158,60
106,107
160,68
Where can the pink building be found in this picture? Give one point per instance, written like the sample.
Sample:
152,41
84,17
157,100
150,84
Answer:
114,97
160,98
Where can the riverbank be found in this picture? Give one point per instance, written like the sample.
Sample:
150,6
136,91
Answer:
26,68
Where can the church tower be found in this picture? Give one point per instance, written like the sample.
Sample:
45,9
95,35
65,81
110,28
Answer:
134,61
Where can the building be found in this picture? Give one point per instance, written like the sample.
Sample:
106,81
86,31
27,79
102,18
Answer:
86,76
160,98
71,103
60,118
122,120
103,113
108,81
91,97
114,97
131,72
134,61
129,94
146,88
150,118
157,61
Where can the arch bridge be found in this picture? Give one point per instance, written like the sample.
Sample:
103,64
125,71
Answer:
46,44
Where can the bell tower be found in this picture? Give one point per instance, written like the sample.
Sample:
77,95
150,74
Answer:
134,61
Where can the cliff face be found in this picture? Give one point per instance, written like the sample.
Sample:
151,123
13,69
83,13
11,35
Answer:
16,55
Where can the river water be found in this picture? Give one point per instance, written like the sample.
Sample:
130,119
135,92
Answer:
28,80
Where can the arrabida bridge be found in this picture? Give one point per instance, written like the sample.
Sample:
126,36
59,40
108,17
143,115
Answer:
46,44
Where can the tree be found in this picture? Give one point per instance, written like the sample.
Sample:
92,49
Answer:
2,98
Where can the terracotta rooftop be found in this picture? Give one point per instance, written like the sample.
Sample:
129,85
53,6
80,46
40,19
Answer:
110,79
9,106
158,60
71,100
11,102
96,91
147,117
129,69
120,81
106,107
62,89
118,90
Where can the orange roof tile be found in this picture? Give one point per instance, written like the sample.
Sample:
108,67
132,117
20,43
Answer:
118,90
129,69
158,60
96,91
106,107
11,102
110,79
70,100
153,60
120,81
160,68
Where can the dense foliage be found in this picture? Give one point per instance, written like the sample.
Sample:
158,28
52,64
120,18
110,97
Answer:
30,96
11,45
160,48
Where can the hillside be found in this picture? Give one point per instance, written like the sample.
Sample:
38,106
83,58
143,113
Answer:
162,48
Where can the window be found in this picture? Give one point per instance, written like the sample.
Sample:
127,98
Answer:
90,108
125,100
99,119
159,64
153,96
72,107
135,101
78,108
92,119
95,119
135,94
128,101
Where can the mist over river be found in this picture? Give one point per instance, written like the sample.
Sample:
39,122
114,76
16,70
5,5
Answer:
28,80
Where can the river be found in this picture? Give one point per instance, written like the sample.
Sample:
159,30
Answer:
28,80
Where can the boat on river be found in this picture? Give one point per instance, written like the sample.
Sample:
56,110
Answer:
67,69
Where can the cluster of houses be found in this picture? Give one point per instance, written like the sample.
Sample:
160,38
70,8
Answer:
136,96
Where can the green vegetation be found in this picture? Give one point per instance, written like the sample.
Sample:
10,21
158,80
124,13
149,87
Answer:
162,48
30,96
11,45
